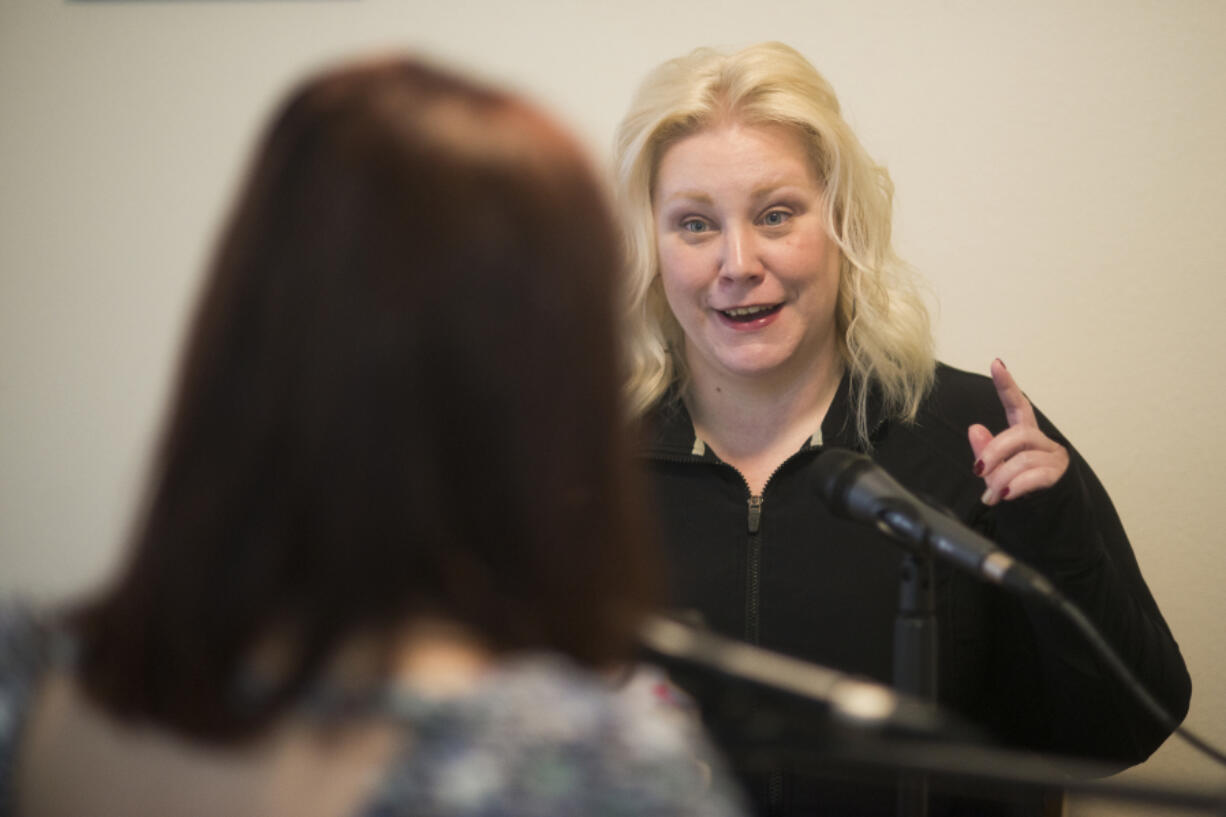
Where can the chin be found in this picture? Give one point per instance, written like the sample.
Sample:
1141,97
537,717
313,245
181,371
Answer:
754,368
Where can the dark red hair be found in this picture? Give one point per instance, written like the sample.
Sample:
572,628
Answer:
399,396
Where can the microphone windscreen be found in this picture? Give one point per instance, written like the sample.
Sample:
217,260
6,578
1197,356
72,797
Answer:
835,473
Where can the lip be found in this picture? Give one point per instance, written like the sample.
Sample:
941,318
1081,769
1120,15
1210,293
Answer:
748,326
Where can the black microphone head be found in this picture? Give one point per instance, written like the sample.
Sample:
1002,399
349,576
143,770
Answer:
835,472
854,487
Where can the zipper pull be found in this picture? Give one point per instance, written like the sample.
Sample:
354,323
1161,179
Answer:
755,513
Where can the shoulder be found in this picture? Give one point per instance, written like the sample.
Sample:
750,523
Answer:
544,737
932,455
956,400
962,398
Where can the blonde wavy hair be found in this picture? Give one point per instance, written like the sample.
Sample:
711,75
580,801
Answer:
883,325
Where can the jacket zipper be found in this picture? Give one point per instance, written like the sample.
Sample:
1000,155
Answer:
753,573
753,578
753,562
753,589
753,618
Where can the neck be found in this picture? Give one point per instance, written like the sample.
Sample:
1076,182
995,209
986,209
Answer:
439,657
431,654
756,423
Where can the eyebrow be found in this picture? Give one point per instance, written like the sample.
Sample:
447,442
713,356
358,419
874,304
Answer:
767,189
704,198
690,195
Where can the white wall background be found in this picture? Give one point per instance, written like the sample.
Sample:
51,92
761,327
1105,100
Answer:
1061,182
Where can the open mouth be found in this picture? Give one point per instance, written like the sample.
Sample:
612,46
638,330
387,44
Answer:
745,314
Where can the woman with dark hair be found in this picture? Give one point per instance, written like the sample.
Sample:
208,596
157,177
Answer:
392,533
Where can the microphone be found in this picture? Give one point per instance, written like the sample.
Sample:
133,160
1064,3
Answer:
851,701
854,487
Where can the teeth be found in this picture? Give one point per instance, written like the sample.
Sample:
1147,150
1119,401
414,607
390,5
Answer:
743,311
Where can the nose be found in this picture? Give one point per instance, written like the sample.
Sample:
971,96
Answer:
741,259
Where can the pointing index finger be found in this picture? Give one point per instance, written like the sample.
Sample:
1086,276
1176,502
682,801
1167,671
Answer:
1017,408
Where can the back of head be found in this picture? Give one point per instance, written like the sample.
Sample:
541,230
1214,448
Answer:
882,322
399,397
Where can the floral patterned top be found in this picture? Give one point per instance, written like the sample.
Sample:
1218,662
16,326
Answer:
536,737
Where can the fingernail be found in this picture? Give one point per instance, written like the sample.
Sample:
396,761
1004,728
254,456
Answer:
1002,363
978,468
1004,492
986,499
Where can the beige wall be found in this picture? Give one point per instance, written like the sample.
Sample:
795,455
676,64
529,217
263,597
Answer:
1061,180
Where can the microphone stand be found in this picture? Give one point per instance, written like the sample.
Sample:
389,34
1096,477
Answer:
862,725
915,662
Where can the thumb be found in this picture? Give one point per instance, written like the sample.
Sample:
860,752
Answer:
979,437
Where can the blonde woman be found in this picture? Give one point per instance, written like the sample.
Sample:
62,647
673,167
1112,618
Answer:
769,319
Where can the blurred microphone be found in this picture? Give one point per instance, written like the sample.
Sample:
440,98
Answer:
856,488
851,701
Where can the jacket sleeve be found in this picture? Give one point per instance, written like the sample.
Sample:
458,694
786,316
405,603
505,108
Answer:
1072,534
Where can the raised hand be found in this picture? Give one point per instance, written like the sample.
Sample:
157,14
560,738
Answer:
1021,459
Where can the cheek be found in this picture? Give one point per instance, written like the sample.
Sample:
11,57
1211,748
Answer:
812,261
679,271
682,297
676,293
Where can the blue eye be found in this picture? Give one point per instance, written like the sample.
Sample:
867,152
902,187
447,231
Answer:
694,225
775,218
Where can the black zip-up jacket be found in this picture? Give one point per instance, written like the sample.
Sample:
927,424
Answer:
779,570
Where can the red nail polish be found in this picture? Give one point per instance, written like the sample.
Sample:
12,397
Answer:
978,468
1002,363
1004,492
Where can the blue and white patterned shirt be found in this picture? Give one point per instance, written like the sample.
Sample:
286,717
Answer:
536,737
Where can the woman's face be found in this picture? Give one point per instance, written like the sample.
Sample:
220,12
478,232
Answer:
747,266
